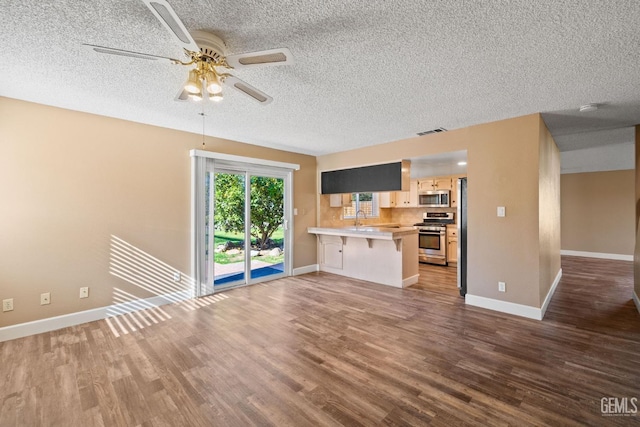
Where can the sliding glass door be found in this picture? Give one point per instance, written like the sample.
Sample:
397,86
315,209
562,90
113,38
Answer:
246,233
267,226
227,230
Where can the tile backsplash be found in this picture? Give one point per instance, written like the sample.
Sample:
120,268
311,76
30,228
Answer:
332,217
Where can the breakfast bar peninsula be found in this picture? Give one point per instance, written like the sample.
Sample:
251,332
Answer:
385,254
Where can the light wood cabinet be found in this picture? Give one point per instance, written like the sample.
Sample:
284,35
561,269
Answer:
435,183
339,200
387,199
408,199
442,183
425,184
452,250
452,244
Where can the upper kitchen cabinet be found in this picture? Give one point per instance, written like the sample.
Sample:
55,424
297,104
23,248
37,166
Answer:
339,200
387,199
400,199
435,183
408,199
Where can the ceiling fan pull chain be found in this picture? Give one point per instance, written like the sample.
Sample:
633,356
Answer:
202,114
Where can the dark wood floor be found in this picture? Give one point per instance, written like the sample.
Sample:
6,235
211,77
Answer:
320,349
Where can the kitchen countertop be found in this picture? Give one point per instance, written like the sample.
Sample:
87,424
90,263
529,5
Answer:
380,231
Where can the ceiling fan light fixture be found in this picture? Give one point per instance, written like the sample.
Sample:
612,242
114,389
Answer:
193,83
216,97
213,83
197,96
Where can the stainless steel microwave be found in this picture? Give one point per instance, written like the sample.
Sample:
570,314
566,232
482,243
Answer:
435,199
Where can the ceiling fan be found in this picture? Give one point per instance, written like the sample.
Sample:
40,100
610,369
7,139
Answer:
206,52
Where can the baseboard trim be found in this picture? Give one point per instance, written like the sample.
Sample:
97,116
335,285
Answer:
72,319
552,290
513,308
306,269
619,257
636,300
412,280
504,306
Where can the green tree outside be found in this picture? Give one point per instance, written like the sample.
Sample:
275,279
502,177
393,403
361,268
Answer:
267,205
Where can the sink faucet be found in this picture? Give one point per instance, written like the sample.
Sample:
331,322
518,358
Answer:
358,213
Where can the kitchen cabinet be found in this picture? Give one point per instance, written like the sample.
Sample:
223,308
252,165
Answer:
339,200
331,252
408,199
425,184
387,199
452,244
435,183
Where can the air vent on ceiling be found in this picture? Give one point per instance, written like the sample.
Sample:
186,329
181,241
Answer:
427,132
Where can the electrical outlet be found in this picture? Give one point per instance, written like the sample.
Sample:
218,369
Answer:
7,304
176,276
502,211
502,287
84,292
45,298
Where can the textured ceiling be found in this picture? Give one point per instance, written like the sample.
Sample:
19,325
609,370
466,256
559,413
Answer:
365,72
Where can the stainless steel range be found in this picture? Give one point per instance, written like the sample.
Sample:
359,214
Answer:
432,237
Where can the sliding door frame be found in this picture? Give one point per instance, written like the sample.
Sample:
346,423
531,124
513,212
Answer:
204,162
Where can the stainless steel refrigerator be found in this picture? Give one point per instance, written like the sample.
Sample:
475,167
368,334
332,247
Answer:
462,236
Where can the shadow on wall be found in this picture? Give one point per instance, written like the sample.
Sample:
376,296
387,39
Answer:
130,312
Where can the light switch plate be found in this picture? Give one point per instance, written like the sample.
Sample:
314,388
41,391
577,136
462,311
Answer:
502,211
45,298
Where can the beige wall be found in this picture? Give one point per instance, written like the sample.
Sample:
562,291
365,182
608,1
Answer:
502,171
598,212
70,181
548,210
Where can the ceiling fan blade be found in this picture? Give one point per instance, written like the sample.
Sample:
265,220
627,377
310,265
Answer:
248,90
121,52
165,14
263,58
